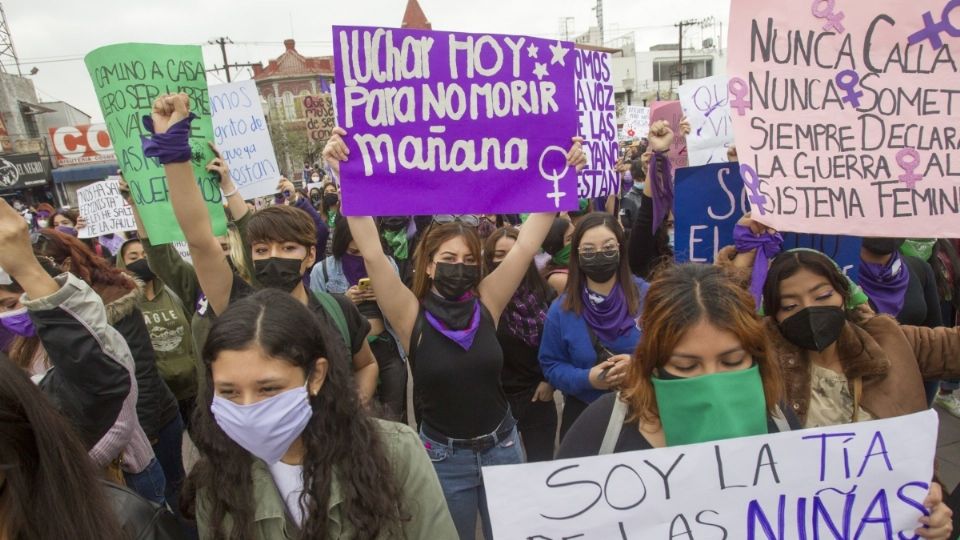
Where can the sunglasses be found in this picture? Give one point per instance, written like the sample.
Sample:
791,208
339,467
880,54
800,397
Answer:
608,252
466,219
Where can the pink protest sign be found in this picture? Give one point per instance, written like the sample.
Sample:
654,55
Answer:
672,112
845,114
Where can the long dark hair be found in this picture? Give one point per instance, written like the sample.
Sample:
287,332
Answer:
342,238
324,209
23,350
553,243
788,263
340,438
51,488
434,238
576,281
532,280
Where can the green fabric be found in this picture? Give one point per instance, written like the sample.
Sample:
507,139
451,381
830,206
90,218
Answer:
523,218
399,244
921,248
562,258
333,309
711,407
172,339
420,494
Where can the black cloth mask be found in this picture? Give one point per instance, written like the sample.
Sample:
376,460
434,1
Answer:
882,246
141,269
600,269
278,273
814,328
453,280
330,199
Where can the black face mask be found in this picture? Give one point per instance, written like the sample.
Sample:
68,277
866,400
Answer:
814,328
331,199
600,269
316,197
278,273
454,280
141,269
882,246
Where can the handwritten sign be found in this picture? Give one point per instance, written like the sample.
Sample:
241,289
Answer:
672,112
709,201
241,135
636,122
104,209
127,78
707,107
449,122
598,124
865,480
318,110
847,117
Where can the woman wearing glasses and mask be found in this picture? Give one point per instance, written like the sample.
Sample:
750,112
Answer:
592,329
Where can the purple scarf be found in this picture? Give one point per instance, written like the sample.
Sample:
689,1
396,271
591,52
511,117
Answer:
662,188
885,284
608,318
458,320
353,268
767,246
524,317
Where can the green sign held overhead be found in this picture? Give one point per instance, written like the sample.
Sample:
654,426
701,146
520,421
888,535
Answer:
127,78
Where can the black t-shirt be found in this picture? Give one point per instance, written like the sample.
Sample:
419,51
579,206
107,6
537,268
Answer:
586,435
459,391
521,365
921,303
358,327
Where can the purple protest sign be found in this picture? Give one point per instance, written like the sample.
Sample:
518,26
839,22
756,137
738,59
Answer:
450,122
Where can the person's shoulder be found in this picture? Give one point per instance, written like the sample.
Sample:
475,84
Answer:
586,434
400,440
556,310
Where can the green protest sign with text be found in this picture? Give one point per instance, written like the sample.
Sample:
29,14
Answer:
128,77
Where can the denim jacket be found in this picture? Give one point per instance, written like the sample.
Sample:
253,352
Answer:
334,281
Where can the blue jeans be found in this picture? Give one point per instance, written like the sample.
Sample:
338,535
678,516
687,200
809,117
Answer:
149,483
462,480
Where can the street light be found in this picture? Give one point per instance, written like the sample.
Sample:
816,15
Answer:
628,83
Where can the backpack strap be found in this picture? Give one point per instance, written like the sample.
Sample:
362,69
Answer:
614,426
333,309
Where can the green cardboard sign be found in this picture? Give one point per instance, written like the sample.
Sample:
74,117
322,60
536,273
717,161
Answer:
127,78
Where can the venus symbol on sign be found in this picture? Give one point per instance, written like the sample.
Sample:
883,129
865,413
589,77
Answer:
737,87
752,180
848,80
824,9
932,30
909,159
557,175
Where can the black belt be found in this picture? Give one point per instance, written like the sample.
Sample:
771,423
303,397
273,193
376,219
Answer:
477,444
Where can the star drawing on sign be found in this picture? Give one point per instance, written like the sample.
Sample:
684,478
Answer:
532,51
540,70
559,52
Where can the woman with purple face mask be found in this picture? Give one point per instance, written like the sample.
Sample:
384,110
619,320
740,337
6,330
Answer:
281,424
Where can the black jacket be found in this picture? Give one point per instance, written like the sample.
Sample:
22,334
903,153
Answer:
140,519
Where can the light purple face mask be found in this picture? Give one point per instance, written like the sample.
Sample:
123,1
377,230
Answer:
267,428
18,322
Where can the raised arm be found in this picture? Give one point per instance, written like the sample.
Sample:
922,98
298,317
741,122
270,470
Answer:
235,203
498,288
213,271
398,303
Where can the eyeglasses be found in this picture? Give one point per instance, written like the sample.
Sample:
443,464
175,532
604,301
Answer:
466,219
608,252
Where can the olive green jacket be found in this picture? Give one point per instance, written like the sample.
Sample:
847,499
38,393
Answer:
421,496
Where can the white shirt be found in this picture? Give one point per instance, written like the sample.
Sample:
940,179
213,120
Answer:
289,480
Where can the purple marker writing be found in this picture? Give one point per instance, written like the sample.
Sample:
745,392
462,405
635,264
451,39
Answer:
848,80
824,9
909,159
737,87
752,180
931,30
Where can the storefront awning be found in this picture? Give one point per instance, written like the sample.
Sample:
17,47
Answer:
84,173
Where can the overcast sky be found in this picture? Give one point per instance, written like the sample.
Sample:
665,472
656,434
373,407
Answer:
53,35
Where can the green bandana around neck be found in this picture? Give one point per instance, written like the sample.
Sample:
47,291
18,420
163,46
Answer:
397,240
921,248
711,407
562,258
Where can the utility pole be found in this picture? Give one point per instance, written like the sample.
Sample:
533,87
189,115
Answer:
223,50
8,55
599,10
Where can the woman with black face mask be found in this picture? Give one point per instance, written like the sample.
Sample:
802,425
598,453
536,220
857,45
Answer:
592,329
448,325
840,365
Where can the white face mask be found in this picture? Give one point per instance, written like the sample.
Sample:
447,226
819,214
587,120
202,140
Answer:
43,223
670,237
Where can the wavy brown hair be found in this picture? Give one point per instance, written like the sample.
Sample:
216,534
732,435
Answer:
430,244
680,297
73,256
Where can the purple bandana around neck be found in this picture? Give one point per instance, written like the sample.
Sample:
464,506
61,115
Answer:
610,317
353,268
662,186
462,337
885,284
170,147
525,316
767,246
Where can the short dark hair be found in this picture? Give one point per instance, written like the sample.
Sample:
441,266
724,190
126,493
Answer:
282,224
637,170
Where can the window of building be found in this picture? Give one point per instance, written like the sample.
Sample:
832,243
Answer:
665,70
289,109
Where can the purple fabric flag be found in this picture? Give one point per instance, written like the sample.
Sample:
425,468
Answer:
450,122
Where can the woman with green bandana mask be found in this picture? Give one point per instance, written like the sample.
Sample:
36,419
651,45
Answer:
557,245
700,373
